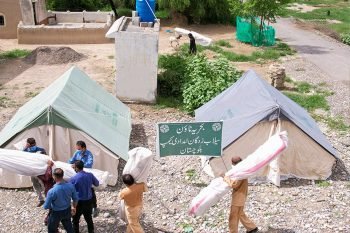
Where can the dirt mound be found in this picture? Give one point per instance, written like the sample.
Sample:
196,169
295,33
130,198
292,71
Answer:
45,55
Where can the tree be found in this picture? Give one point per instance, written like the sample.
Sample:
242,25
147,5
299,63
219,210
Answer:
266,10
198,11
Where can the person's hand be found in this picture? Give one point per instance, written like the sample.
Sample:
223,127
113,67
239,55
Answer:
227,179
73,211
50,163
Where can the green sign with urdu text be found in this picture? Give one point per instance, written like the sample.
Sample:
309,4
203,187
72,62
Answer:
195,138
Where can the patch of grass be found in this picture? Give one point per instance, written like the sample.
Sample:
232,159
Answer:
168,102
322,183
309,102
268,53
31,94
337,11
191,174
110,56
337,123
304,87
15,53
186,227
27,83
223,43
3,101
288,79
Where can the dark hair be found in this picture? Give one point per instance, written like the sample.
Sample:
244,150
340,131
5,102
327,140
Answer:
31,141
235,160
58,172
81,143
128,179
79,164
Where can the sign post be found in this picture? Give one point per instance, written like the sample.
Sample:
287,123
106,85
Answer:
195,138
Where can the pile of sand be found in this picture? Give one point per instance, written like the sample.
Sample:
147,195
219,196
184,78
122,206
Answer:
45,55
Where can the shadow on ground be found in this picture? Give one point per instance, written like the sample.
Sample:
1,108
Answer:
339,172
278,230
138,136
310,49
11,68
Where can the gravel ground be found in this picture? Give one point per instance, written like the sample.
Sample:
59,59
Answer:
297,206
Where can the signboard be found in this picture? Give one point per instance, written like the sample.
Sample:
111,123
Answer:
195,138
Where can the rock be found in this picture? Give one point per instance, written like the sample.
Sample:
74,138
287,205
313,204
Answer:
106,215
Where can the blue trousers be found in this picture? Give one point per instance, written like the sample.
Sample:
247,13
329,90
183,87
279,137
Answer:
63,216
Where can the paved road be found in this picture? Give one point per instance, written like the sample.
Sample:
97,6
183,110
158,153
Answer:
331,57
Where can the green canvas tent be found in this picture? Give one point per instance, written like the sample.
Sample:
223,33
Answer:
72,108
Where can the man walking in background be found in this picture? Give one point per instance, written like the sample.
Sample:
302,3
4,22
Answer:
58,200
83,182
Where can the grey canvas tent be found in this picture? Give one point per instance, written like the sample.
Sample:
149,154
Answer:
73,107
251,109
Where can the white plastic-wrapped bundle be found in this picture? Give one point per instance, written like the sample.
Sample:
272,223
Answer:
23,163
259,158
69,172
35,164
210,195
121,211
139,164
200,39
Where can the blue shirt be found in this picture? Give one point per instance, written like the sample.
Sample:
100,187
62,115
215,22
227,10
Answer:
34,149
87,158
83,182
59,197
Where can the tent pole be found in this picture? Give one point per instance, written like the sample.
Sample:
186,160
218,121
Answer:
51,140
51,132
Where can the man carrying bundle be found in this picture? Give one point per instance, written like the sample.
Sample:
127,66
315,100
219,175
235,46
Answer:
239,196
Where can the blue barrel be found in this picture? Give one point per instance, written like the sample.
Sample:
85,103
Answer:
144,11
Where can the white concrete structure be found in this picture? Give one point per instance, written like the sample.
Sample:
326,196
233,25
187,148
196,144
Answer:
136,60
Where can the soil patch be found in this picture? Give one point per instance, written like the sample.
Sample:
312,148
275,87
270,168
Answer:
11,68
45,55
301,7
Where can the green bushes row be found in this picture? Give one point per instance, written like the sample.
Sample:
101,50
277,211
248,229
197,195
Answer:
194,80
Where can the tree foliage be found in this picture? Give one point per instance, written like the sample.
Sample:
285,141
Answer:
204,11
266,10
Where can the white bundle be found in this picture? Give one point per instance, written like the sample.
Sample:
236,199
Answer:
139,164
210,195
69,172
200,39
35,164
23,163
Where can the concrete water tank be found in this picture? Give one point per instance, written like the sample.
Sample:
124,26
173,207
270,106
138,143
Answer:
146,9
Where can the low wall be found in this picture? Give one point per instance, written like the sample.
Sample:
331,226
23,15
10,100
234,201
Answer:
60,34
81,17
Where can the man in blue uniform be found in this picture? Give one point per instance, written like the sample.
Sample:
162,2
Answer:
58,200
84,155
83,182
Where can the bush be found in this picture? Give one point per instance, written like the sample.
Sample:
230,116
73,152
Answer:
345,38
124,12
172,75
206,79
163,14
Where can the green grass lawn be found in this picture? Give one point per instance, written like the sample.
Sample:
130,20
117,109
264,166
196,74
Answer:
339,10
15,53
